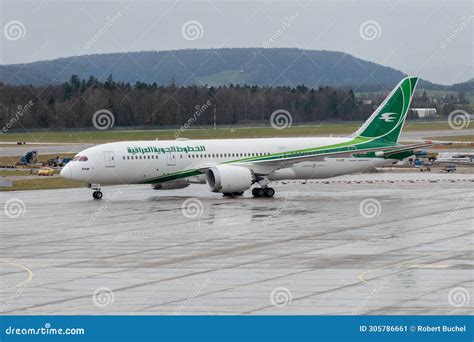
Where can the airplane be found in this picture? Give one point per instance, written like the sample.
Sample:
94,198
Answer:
232,166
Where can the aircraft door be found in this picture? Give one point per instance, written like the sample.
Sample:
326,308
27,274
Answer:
171,159
109,159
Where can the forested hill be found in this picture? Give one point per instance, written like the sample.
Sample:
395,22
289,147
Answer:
215,67
73,103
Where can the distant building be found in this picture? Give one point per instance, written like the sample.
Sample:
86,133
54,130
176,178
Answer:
426,113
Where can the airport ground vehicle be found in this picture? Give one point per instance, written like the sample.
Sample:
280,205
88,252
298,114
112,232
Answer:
57,162
450,168
46,171
30,157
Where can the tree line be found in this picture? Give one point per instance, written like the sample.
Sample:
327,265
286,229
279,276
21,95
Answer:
72,104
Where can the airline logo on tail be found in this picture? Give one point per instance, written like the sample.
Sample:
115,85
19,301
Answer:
388,117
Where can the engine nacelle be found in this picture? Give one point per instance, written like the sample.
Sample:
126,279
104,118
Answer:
173,185
228,178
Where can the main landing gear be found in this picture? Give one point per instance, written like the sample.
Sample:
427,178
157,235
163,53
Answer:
97,194
263,192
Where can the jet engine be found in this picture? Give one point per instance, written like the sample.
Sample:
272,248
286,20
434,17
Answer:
229,178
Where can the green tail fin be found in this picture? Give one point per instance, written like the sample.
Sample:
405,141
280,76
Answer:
386,123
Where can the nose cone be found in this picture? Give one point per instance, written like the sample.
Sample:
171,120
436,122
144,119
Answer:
66,172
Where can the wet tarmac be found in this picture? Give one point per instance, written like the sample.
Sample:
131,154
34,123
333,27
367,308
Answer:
337,248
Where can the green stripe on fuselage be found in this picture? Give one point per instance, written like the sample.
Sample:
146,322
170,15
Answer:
350,146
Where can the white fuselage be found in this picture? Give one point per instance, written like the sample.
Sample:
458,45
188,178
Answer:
141,161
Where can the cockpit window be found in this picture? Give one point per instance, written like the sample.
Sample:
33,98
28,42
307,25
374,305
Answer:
80,158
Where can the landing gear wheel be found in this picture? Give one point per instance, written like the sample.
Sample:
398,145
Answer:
269,192
97,194
258,192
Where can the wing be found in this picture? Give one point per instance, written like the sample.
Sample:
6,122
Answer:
283,160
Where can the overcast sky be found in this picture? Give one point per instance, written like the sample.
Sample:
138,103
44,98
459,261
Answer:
432,39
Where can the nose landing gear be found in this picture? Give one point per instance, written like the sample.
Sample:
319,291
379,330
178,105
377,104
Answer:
97,194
